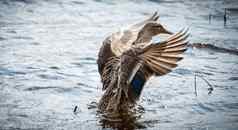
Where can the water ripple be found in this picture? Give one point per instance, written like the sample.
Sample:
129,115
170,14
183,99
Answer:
51,77
39,88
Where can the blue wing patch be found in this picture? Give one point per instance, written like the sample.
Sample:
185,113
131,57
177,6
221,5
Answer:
138,83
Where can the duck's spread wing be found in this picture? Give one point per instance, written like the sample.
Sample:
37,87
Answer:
162,57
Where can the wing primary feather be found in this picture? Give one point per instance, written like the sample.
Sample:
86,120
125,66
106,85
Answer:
163,48
162,65
178,44
157,68
154,17
182,38
181,32
176,50
168,57
165,63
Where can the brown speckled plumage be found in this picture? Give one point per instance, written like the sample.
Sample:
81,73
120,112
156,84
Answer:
130,53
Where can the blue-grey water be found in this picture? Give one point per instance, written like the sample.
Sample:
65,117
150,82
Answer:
48,52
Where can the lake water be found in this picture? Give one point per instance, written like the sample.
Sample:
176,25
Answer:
48,52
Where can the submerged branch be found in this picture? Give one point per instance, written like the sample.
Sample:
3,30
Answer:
210,89
214,48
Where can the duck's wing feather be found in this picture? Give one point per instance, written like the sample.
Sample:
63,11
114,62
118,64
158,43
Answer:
109,71
154,17
162,57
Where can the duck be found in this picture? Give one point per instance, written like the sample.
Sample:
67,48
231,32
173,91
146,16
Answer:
128,58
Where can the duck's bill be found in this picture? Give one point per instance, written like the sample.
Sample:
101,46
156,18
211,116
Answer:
168,32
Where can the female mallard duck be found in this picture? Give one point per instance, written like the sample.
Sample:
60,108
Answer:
127,59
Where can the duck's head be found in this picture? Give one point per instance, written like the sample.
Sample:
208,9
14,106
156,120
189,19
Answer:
162,30
158,28
156,25
151,29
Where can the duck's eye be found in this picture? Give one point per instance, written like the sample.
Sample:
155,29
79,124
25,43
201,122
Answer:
160,28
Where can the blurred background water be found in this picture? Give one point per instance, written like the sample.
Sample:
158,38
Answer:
48,52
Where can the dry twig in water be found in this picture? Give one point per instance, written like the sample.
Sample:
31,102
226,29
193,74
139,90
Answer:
210,89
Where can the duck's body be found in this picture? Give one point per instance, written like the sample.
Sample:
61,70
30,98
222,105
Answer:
127,59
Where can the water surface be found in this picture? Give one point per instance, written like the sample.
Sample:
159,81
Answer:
48,52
